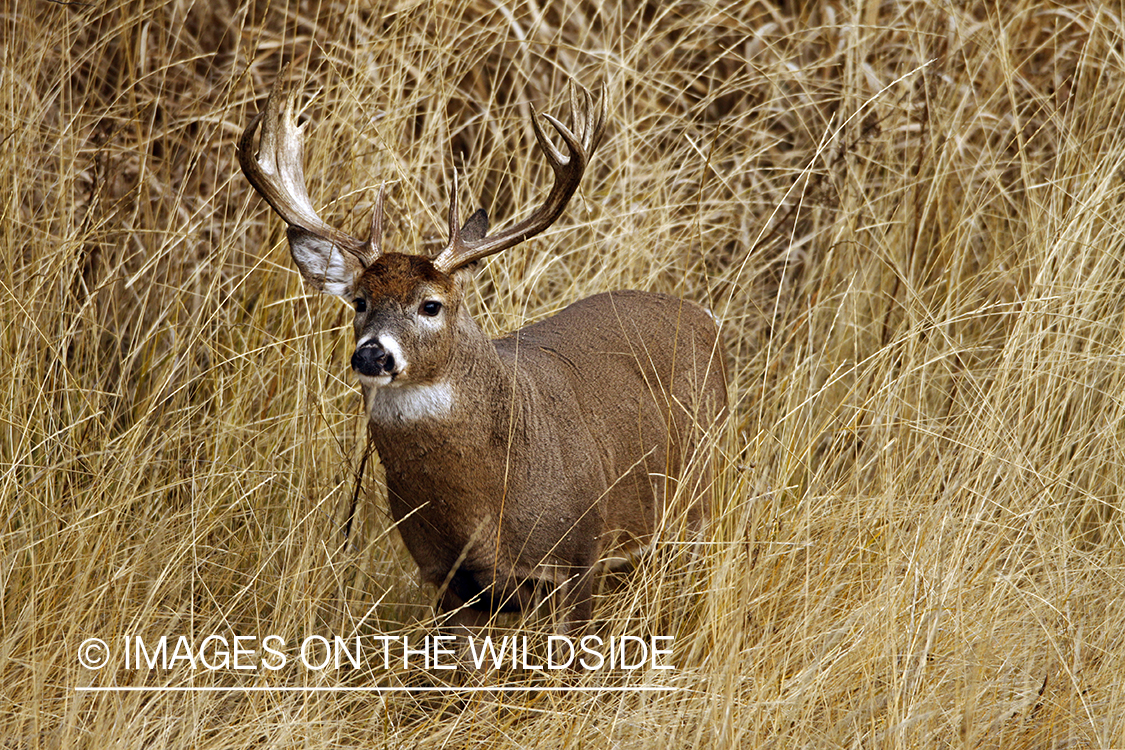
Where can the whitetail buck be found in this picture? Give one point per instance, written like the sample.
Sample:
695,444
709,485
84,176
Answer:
515,465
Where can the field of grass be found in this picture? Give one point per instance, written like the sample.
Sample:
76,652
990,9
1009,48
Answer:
908,214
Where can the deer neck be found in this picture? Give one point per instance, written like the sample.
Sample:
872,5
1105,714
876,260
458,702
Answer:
470,400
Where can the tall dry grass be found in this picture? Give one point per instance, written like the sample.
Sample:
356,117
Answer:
908,214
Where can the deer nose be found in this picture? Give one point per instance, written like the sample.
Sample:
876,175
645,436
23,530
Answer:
373,360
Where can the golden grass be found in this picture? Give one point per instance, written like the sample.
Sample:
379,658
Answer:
908,215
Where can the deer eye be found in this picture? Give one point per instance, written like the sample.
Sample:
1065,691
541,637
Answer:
360,304
430,308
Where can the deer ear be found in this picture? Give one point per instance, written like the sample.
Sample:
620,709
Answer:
476,227
327,266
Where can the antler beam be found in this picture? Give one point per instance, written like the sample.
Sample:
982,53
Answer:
581,138
275,170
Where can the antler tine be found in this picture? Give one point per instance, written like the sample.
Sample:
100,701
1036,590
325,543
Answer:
373,248
454,214
554,157
597,119
581,110
582,138
275,169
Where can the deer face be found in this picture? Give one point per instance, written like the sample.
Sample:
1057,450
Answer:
405,313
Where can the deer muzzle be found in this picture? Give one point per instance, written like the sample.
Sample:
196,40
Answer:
373,360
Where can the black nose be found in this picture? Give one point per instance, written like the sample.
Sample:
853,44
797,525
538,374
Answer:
373,360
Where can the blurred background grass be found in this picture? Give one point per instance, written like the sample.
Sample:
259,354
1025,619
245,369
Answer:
907,215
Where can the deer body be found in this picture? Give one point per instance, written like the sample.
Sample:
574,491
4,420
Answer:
513,466
535,467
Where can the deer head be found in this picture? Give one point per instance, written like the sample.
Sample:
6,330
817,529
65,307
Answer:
405,305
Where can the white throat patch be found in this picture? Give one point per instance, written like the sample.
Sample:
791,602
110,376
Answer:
406,403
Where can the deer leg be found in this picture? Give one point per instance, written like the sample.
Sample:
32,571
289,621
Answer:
464,623
576,601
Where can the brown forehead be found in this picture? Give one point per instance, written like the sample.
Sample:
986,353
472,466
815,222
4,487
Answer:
397,275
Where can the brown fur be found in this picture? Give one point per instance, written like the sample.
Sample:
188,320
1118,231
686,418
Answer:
397,275
565,441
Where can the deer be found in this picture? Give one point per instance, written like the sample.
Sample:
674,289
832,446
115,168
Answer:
515,467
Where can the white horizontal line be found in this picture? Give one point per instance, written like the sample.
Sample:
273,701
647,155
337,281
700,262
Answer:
374,689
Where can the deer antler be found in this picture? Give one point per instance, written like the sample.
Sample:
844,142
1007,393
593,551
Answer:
581,139
276,172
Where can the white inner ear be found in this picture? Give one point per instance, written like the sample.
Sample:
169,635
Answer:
324,264
338,276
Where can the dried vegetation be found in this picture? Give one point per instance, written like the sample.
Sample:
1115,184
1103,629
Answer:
907,213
